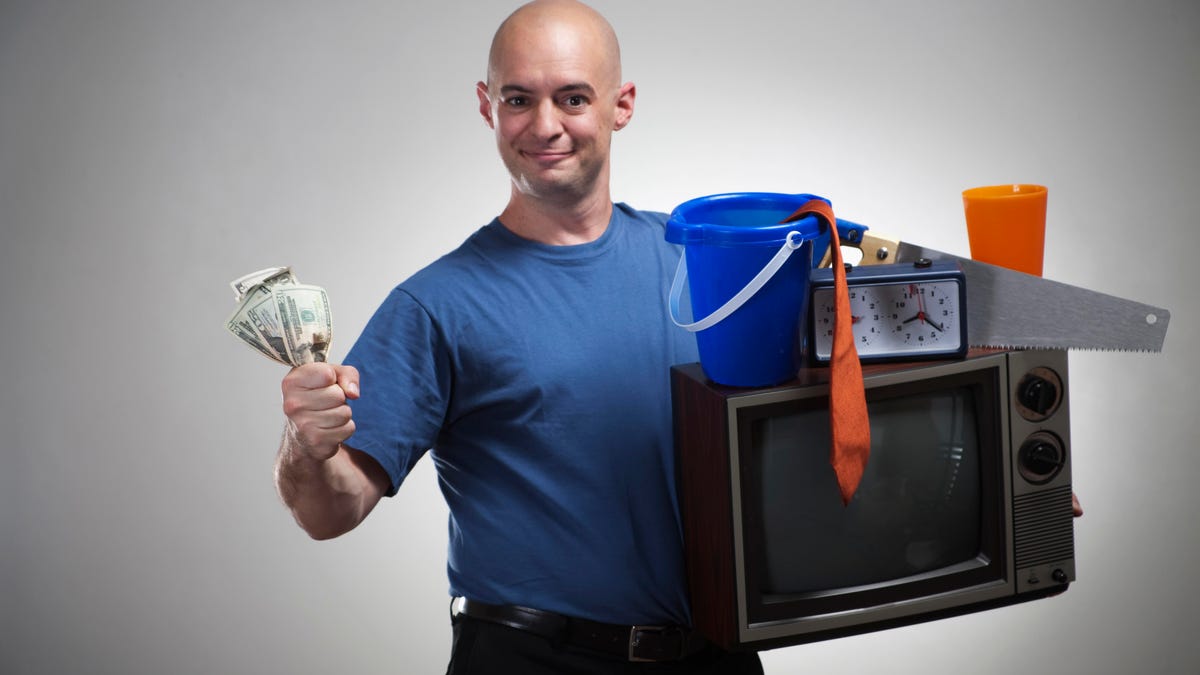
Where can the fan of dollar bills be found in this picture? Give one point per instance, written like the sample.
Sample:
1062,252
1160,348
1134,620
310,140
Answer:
279,317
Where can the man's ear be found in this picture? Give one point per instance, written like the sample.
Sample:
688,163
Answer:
625,105
485,104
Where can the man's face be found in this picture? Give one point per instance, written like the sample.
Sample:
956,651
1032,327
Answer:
554,98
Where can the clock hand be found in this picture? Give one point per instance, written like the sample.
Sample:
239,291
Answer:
925,319
912,288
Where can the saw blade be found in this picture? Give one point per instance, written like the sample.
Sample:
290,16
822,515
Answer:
1012,309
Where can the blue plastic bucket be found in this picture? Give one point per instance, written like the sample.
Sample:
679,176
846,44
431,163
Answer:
728,241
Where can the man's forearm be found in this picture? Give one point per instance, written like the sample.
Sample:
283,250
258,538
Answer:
327,497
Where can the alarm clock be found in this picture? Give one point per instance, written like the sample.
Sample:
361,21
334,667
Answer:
899,311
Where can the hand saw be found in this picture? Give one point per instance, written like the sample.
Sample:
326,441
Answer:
1011,309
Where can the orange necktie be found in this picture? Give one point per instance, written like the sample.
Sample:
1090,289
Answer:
851,429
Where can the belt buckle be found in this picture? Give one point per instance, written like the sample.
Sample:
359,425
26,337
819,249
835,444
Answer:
635,641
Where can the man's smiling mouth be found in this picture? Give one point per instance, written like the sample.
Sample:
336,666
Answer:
547,155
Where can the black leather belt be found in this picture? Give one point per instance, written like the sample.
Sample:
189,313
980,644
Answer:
635,643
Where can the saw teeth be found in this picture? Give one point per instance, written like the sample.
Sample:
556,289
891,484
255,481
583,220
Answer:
1121,350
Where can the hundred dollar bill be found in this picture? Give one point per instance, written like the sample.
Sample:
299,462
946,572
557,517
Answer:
256,317
267,277
307,325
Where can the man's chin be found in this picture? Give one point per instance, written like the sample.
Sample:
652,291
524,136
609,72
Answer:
555,182
560,184
563,192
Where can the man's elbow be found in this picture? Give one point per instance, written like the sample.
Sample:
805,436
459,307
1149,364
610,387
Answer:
324,534
323,529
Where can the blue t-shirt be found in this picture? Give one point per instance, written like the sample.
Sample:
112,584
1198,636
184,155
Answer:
538,378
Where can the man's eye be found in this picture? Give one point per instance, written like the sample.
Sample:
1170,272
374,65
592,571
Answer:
576,101
515,101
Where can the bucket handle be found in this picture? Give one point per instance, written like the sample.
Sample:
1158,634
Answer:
790,244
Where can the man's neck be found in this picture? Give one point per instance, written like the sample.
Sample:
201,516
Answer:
558,224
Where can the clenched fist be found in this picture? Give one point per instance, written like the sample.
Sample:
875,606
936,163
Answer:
314,400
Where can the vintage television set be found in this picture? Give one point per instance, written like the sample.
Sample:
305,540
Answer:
965,503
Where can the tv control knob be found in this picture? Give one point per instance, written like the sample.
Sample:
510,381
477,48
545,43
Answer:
1039,393
1041,457
1059,575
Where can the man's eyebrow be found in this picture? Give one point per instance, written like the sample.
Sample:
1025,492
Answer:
576,86
584,87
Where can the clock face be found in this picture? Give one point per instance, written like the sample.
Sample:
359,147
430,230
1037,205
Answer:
894,319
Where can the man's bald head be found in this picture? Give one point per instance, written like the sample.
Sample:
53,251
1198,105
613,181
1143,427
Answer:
568,20
554,97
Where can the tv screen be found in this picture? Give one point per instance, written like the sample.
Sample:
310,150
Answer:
917,520
917,508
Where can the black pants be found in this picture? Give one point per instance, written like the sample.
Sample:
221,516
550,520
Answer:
483,648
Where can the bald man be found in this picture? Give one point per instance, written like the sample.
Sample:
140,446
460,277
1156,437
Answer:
532,364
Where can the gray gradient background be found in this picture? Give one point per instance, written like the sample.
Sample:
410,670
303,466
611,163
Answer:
151,151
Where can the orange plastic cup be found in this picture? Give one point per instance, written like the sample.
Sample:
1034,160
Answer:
1006,225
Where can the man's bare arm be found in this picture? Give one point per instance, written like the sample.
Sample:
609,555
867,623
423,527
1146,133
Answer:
329,487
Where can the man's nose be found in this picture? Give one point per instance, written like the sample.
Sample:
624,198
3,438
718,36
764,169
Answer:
547,123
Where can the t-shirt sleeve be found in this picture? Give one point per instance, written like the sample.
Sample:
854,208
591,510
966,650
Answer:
404,372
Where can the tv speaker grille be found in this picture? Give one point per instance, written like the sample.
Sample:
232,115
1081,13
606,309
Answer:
1043,531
